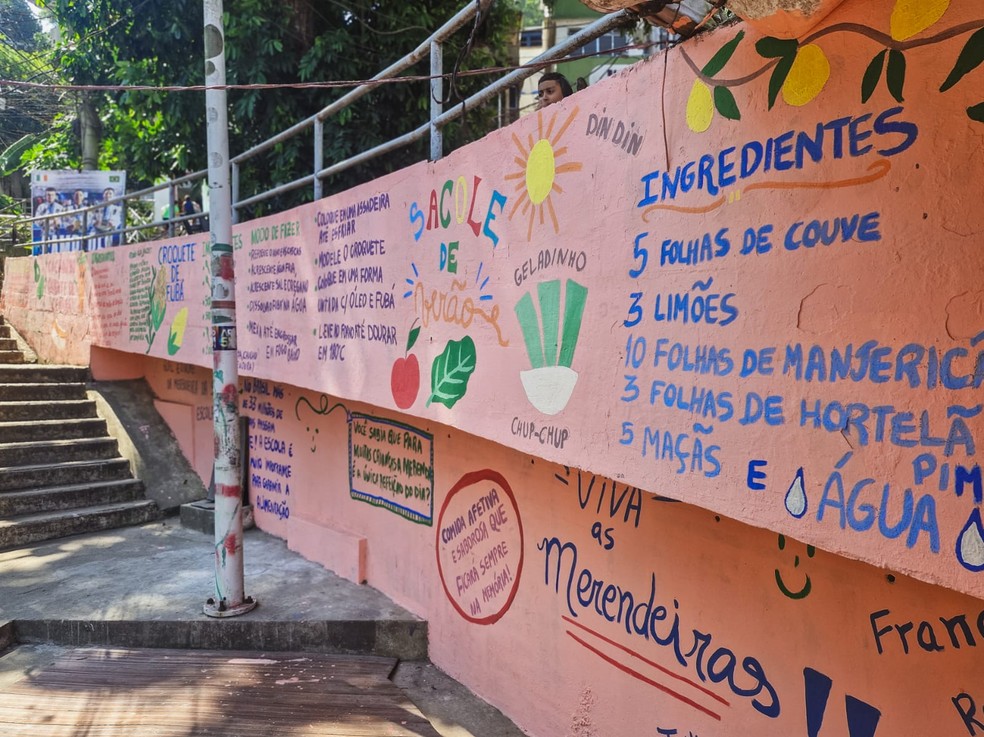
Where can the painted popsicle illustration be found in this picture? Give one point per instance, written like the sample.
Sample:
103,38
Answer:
550,343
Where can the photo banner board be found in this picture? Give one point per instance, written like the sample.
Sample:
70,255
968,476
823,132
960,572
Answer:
61,192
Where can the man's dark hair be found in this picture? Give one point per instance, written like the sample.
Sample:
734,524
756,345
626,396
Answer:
565,86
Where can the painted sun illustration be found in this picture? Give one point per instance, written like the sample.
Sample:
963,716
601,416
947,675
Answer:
538,171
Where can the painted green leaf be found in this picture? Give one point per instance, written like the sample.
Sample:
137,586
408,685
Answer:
976,112
37,271
724,103
41,287
871,75
717,62
895,73
970,58
451,371
412,338
779,75
771,47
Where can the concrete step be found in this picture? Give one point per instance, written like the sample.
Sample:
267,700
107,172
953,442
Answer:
37,391
30,430
33,528
76,496
7,343
57,451
5,331
22,478
65,409
8,357
34,373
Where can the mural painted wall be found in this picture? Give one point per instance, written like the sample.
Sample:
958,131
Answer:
752,291
744,276
629,611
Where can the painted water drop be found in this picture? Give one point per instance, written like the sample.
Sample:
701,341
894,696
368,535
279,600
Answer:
970,543
796,497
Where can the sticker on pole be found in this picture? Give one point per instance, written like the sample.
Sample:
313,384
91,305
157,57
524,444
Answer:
224,337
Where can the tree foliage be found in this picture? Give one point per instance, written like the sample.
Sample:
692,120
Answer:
532,12
23,58
155,133
18,26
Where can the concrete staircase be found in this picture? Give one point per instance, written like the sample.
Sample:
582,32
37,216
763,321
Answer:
9,352
61,472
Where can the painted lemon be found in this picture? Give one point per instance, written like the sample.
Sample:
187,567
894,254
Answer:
700,107
176,336
910,17
807,76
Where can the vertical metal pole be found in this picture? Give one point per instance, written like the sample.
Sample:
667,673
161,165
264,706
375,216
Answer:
235,193
170,207
122,236
229,599
319,156
437,95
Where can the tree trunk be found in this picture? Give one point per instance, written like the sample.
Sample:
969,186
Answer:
549,28
90,129
301,13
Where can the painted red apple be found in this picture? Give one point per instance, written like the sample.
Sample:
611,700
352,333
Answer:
405,376
405,381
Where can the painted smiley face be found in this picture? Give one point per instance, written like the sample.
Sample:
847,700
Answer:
314,438
807,586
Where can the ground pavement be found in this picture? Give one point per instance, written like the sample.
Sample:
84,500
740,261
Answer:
105,636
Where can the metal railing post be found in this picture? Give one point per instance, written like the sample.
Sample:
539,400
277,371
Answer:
123,214
170,210
319,156
235,192
436,102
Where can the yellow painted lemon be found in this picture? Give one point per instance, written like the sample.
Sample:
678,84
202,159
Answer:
807,76
540,171
700,107
910,17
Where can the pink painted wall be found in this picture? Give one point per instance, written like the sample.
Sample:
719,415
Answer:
522,573
186,390
763,304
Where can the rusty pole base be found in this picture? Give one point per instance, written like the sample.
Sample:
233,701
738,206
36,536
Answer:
219,609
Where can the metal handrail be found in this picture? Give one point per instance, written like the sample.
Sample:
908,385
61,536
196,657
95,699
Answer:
599,27
435,124
445,31
438,119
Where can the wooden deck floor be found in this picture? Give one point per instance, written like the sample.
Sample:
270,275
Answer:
180,693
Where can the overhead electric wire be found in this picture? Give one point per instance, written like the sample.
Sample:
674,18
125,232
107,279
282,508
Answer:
319,85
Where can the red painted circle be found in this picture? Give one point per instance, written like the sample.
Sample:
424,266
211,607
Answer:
465,482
